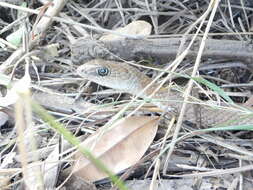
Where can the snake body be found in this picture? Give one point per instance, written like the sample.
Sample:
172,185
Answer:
126,78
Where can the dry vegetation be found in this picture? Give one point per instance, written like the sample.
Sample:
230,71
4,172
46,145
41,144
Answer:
41,45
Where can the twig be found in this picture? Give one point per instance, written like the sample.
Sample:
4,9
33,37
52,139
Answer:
162,49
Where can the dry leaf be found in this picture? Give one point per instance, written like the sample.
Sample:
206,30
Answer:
51,168
138,27
118,148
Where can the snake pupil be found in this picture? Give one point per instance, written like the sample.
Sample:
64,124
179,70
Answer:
103,71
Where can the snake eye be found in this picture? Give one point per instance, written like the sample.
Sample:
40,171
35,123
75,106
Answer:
103,71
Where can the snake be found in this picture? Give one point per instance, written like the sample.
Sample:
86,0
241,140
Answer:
127,78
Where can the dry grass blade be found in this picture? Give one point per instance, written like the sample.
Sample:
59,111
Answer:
26,134
162,40
217,172
213,5
119,147
41,27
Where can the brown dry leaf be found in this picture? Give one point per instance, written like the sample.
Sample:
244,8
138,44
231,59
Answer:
139,27
118,148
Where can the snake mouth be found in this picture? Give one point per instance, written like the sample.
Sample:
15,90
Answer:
85,70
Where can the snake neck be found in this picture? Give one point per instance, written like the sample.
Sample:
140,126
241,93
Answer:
164,98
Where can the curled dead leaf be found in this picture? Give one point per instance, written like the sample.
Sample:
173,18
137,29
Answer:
139,27
118,148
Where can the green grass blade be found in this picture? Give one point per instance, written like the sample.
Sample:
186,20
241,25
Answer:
247,127
214,87
74,141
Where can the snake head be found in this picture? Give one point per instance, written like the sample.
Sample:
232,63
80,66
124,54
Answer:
116,75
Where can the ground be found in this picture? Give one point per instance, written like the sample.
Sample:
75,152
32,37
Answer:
40,54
